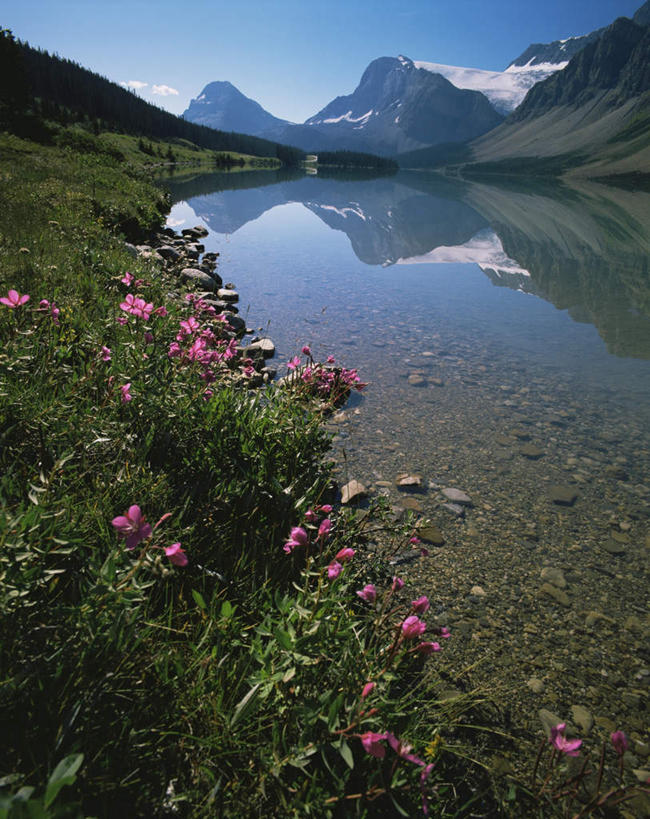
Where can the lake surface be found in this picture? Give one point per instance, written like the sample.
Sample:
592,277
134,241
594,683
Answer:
505,333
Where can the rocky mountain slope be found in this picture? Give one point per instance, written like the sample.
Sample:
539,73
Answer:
595,111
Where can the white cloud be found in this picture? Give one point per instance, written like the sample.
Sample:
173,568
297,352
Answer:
164,90
135,84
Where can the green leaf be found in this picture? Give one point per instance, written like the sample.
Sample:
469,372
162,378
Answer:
64,774
226,610
346,753
333,713
198,599
245,706
283,638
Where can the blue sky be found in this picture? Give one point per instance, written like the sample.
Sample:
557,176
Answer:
292,56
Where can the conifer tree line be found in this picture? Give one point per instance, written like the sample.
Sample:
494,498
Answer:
355,159
36,85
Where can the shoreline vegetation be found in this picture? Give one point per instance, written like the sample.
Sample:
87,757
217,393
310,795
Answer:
222,656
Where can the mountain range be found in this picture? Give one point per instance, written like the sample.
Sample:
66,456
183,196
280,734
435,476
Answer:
401,105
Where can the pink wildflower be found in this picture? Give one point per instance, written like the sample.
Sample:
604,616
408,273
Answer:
311,516
413,627
421,605
402,749
620,742
330,359
306,350
324,529
368,593
176,555
345,554
122,320
188,327
207,395
398,583
367,689
415,540
428,648
161,311
561,743
297,537
13,299
142,309
132,526
148,338
334,570
295,362
371,743
106,354
326,508
126,395
55,312
43,306
127,278
174,350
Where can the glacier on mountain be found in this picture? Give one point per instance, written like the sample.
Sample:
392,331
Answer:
505,89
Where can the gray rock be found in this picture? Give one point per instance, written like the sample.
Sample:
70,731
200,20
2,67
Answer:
198,277
196,232
417,380
265,346
353,490
236,322
132,249
168,252
457,496
531,452
431,534
549,720
455,509
612,547
562,495
536,685
554,576
212,274
558,595
409,502
408,483
582,718
228,295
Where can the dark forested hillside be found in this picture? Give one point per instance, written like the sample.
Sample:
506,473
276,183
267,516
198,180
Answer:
36,82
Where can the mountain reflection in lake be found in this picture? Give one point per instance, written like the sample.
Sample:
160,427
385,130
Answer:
506,336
